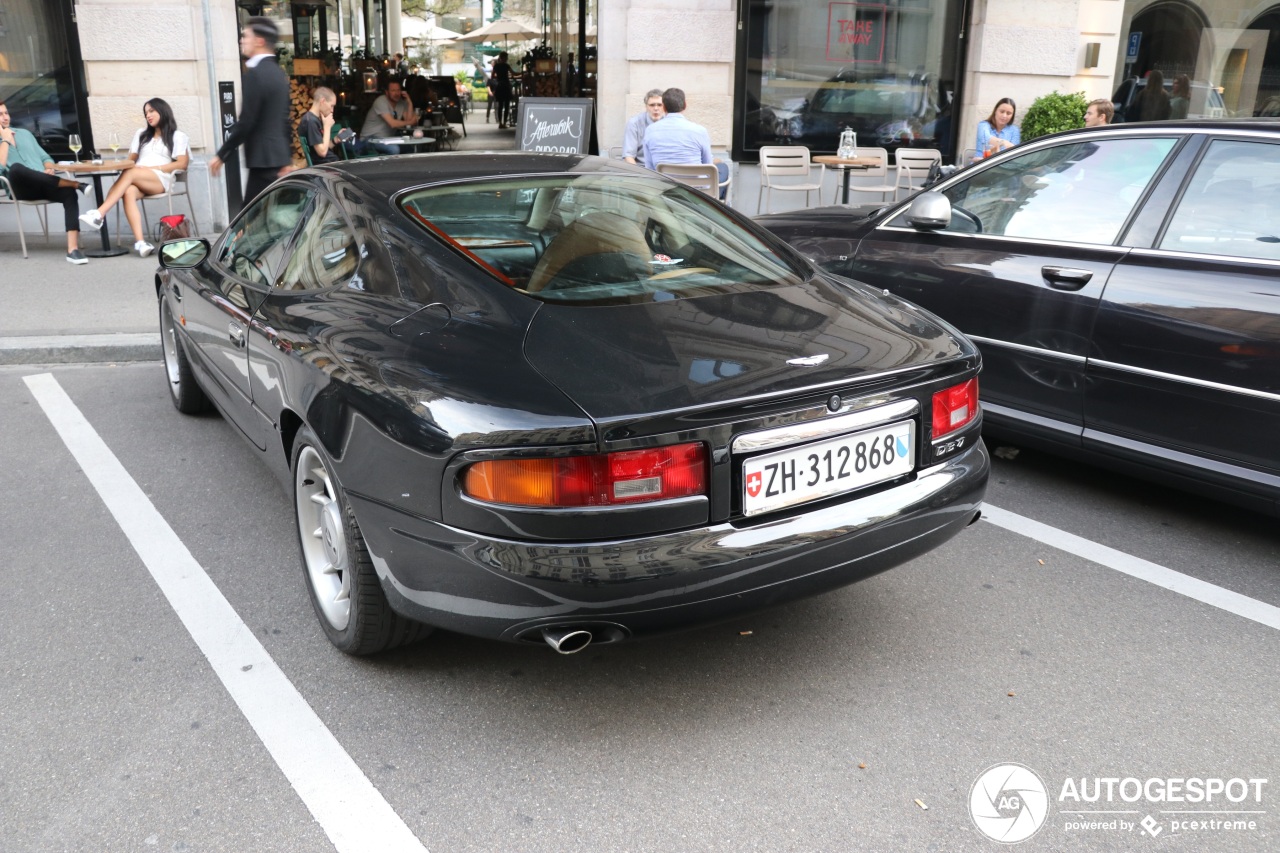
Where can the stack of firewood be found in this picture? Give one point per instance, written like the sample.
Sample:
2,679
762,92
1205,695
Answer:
300,102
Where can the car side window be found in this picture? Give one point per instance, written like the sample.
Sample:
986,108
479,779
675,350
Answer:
326,253
255,247
1078,192
1229,206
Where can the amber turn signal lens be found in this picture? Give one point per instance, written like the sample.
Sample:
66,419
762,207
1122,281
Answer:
625,477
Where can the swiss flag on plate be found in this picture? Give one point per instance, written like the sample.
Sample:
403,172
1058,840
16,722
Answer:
754,482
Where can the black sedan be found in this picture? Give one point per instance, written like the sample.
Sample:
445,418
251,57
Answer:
1124,287
543,398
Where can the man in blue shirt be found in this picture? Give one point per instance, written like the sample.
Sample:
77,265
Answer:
633,141
675,139
30,172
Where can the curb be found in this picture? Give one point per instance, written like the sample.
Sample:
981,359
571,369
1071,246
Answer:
80,349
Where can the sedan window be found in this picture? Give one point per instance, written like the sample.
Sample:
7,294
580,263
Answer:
255,246
1229,207
1081,192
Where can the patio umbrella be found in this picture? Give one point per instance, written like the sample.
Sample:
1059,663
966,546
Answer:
503,29
419,30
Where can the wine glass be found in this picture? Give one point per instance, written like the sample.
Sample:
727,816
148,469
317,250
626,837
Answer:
73,142
113,140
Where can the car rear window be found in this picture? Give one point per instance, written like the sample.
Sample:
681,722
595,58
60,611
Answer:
592,239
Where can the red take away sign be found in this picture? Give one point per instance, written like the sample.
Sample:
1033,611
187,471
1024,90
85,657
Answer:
855,32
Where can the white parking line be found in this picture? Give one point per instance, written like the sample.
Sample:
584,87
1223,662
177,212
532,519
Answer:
1216,596
343,801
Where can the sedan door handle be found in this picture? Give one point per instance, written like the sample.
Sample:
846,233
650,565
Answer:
1066,278
236,332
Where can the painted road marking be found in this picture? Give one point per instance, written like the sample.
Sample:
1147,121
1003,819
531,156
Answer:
343,801
1215,596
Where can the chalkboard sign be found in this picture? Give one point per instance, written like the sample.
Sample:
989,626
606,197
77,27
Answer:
555,125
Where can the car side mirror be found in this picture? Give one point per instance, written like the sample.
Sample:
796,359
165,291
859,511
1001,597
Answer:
929,211
183,254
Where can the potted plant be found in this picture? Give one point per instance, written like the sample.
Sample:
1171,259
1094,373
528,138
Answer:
1052,113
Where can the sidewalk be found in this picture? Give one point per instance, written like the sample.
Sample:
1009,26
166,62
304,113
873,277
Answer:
53,312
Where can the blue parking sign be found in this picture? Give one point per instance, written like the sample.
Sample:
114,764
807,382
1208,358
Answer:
1135,39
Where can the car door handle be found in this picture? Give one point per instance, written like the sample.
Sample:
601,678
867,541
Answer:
236,333
1066,278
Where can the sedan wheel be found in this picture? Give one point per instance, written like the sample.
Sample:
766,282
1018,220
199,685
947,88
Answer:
187,395
341,580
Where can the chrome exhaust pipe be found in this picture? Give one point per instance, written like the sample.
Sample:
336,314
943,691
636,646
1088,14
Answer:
567,641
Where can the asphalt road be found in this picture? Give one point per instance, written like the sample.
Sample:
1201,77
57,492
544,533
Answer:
831,725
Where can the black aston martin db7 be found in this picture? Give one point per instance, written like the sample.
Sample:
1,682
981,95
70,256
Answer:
558,399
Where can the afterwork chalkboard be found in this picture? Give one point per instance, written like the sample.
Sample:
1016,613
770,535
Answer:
557,125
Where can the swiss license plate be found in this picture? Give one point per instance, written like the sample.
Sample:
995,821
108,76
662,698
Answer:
825,468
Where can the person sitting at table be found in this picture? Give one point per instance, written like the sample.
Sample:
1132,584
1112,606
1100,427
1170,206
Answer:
391,112
316,126
1099,113
999,132
157,152
675,139
30,173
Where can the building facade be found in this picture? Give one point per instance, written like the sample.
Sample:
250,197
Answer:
756,72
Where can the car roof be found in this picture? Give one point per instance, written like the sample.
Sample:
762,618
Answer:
1187,125
392,174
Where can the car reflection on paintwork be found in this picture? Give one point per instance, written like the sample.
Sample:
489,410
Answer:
562,400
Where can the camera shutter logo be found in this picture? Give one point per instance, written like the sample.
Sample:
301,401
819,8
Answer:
1009,803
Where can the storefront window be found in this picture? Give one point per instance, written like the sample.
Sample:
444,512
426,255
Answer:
1216,58
887,71
35,74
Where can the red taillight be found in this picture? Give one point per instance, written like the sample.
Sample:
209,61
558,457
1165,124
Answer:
954,407
626,477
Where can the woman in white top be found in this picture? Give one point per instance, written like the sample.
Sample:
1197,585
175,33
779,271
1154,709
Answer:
158,150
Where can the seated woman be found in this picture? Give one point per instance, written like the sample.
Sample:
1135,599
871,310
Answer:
158,150
999,132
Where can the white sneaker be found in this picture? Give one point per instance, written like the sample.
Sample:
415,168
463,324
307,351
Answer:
92,220
143,248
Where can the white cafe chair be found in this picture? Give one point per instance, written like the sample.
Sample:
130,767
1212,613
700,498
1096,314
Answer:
788,162
914,165
180,188
7,197
700,176
879,170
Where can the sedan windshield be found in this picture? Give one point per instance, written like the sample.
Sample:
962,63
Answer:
591,239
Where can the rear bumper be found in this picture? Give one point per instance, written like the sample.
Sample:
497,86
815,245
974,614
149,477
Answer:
505,589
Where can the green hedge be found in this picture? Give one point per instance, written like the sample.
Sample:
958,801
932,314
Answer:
1053,113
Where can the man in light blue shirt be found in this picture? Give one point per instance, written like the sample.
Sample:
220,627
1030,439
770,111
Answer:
675,139
633,141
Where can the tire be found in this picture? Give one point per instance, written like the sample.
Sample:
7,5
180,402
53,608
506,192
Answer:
187,395
341,580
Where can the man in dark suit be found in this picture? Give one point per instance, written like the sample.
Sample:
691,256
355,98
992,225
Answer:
263,126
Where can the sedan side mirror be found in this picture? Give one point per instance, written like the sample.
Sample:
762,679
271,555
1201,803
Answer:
183,254
929,211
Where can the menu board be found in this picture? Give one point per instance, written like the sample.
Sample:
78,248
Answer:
554,125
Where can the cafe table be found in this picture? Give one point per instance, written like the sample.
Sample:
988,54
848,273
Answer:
846,165
97,171
411,142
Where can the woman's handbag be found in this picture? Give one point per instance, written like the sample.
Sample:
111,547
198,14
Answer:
173,227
